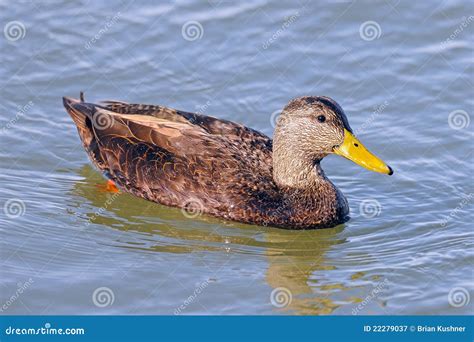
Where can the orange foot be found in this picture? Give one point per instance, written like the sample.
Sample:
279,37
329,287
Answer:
108,187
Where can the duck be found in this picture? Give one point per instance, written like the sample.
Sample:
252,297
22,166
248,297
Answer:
206,165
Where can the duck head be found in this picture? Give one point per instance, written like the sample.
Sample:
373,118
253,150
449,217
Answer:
308,129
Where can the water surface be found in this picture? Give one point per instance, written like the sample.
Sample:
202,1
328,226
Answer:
402,72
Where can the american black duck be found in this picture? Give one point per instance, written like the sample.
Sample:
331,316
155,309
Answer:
222,168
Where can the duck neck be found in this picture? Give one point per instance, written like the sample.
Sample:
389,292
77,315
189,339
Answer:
297,171
306,191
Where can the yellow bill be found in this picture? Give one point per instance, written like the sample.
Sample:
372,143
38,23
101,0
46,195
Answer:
353,149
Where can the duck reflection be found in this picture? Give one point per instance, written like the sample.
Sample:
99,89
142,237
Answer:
294,257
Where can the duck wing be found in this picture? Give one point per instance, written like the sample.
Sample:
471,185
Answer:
175,157
210,124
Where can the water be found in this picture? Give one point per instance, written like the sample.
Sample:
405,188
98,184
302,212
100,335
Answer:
408,248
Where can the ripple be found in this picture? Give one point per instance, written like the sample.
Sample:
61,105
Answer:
71,242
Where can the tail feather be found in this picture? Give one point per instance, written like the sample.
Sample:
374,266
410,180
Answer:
77,116
82,114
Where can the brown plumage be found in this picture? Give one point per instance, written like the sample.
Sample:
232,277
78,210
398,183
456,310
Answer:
219,167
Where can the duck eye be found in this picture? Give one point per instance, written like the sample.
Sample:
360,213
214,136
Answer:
321,118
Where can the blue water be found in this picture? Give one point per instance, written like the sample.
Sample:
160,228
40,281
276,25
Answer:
402,72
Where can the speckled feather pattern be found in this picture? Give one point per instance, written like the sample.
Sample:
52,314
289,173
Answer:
185,159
